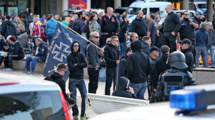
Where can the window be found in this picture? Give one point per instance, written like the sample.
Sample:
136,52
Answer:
153,10
144,11
31,106
133,11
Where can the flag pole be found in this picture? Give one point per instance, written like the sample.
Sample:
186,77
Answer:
80,35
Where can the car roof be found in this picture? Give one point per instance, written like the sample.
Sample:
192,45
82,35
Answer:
22,85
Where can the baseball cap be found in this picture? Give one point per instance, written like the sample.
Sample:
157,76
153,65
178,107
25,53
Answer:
165,49
186,41
154,48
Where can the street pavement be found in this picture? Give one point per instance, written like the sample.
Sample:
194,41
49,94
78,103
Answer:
39,77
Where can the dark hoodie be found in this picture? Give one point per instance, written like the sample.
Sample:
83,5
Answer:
201,37
42,51
122,66
138,64
8,28
76,63
146,48
123,85
111,54
189,58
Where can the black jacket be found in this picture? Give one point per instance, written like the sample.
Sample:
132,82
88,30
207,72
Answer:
187,29
152,62
16,50
42,51
171,23
76,63
145,48
92,55
211,38
111,55
139,26
109,25
123,83
189,58
122,66
8,28
122,31
160,67
199,20
138,64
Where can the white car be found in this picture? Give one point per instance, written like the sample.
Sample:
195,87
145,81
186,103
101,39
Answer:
32,100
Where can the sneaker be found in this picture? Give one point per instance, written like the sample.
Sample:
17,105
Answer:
75,117
26,71
4,68
30,73
9,69
83,118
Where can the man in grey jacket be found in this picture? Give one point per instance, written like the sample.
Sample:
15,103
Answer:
93,54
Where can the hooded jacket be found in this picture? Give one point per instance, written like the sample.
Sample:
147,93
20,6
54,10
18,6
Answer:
122,66
201,37
51,26
139,26
138,64
123,85
111,54
42,51
76,63
16,50
57,78
145,48
8,28
189,58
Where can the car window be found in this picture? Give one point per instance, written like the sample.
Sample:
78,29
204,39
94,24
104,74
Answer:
43,105
144,11
153,10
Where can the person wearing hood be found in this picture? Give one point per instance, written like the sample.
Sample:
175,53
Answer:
186,48
123,62
92,54
76,63
138,69
123,89
93,24
146,45
39,55
111,55
8,28
201,44
50,28
174,78
57,77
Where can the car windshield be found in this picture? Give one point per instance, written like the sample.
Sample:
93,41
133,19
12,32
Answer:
43,105
202,6
133,10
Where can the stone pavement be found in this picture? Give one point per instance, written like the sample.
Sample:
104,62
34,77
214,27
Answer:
20,75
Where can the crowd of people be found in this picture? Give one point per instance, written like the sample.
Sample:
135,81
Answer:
134,63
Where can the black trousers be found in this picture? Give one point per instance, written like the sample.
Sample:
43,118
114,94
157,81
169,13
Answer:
170,41
110,77
93,80
8,61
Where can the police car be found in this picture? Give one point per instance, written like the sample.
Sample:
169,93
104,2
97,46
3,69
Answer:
32,100
190,103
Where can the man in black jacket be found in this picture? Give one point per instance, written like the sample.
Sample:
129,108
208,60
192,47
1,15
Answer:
39,55
146,45
123,89
160,65
8,28
15,52
2,45
57,77
170,27
186,48
92,55
138,69
139,25
109,26
76,63
111,55
123,62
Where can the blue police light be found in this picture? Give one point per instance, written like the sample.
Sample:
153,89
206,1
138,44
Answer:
188,100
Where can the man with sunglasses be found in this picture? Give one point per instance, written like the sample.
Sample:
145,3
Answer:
92,55
187,30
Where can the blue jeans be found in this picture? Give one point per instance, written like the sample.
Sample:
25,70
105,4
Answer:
139,89
123,47
80,84
49,38
201,50
212,52
33,63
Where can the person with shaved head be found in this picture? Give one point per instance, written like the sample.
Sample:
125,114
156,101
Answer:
170,27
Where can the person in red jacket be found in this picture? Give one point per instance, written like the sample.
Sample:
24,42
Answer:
36,31
43,35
